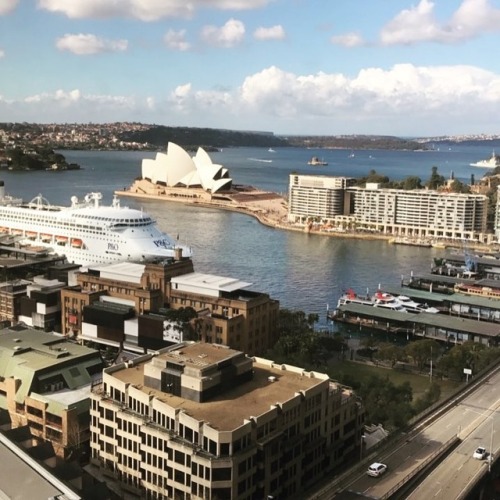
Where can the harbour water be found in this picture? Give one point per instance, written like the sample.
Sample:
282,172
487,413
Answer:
303,271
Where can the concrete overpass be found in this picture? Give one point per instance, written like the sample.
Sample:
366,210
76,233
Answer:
448,441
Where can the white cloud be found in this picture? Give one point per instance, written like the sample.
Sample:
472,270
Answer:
7,6
229,35
348,40
176,40
418,24
73,105
145,10
402,100
87,44
2,53
273,33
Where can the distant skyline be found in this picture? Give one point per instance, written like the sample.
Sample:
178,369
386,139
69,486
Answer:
403,68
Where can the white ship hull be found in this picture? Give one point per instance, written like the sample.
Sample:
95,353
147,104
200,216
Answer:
87,233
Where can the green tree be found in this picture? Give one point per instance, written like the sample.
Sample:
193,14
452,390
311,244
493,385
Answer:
459,187
435,181
390,352
421,351
412,182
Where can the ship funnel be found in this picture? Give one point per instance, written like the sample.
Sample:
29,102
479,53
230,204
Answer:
177,254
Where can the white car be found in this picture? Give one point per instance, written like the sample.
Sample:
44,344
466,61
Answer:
480,453
376,469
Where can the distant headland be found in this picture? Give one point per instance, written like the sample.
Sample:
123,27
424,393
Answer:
122,136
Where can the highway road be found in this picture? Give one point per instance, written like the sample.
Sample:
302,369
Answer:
476,421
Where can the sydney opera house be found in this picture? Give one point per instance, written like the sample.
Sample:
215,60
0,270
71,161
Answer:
176,168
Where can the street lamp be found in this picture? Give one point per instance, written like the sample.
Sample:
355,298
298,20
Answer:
490,456
362,440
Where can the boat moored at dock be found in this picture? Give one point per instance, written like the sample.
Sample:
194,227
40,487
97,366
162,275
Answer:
87,232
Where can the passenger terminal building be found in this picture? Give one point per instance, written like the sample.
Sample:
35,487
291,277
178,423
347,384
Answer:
419,213
203,421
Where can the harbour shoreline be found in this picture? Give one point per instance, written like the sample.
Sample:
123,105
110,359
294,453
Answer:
269,208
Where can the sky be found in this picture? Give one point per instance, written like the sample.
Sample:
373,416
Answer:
310,67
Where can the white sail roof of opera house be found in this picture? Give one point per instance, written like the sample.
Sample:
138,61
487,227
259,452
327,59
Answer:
176,168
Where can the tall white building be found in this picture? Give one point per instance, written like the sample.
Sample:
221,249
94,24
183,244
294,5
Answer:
422,213
419,213
317,196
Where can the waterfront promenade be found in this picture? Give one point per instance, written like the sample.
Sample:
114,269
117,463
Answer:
270,209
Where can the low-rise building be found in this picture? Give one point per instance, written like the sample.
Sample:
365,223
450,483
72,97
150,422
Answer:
45,383
228,313
145,287
203,421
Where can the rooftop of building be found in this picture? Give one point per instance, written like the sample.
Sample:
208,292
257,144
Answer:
210,282
37,350
23,477
228,411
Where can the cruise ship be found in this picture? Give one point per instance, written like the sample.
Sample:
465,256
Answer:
86,232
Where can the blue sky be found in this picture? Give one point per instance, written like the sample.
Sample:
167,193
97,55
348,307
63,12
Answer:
392,67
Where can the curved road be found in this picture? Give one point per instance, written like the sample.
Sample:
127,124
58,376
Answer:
475,420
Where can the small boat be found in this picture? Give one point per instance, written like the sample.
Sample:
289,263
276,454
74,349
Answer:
31,235
271,150
352,155
76,243
415,242
316,162
45,237
492,162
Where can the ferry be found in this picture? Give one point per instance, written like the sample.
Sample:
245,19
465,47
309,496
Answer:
87,232
492,162
386,300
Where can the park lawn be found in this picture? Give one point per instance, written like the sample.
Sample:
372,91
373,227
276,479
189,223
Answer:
419,383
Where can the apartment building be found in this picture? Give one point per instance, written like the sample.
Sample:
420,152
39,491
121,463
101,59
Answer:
203,421
419,213
228,313
45,384
317,196
11,294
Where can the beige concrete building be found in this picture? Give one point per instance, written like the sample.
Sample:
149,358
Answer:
45,384
202,421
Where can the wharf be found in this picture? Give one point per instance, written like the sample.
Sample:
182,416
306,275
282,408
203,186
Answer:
440,327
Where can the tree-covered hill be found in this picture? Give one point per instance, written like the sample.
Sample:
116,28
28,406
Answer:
188,137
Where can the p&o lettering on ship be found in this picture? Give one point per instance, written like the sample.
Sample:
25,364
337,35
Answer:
113,247
162,243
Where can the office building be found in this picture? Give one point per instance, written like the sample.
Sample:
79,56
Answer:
202,421
228,313
45,383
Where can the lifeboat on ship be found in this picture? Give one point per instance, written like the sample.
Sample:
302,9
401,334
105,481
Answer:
76,243
31,235
16,232
45,237
4,229
61,240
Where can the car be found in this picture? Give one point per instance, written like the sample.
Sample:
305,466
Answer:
376,469
480,453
